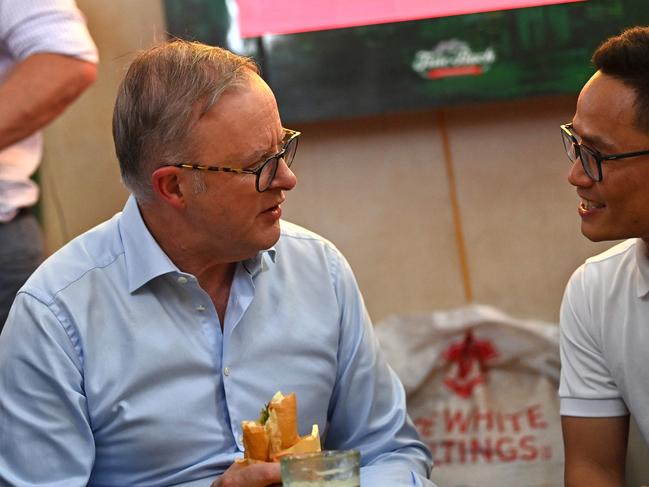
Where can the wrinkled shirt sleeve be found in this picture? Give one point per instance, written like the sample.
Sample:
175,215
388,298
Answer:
368,408
43,408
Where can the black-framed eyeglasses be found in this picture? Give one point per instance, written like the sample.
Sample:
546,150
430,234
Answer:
591,159
265,171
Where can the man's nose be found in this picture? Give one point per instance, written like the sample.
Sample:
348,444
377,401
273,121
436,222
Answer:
285,178
577,176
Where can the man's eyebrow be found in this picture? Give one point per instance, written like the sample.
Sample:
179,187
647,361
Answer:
600,143
258,155
261,155
597,141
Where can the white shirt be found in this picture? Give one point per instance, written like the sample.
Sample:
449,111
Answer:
28,27
605,336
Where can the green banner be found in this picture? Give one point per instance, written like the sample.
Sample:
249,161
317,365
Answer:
419,64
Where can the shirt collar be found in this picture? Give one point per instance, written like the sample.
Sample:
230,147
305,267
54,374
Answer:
643,268
145,260
259,262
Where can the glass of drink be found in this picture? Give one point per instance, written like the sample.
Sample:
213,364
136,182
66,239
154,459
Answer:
331,468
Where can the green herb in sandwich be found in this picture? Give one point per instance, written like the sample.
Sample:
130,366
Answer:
264,414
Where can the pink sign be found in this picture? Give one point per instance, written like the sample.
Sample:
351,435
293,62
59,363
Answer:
262,17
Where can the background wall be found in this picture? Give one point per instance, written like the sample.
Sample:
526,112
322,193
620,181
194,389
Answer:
432,209
380,189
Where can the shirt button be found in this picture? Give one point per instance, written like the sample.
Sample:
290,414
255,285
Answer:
200,307
226,371
182,280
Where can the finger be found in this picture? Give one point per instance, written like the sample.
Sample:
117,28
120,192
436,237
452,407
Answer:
262,475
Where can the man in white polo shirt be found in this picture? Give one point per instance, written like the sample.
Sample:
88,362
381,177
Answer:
605,310
47,59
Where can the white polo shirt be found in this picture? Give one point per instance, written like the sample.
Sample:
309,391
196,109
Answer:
605,336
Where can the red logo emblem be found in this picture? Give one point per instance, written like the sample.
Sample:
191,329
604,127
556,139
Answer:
468,363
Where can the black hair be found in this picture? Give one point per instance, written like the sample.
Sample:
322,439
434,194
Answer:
626,58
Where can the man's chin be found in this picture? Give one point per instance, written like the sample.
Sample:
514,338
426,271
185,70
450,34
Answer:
602,235
596,238
270,238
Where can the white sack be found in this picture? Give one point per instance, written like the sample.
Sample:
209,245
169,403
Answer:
482,390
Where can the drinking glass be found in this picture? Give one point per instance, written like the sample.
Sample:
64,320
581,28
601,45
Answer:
331,468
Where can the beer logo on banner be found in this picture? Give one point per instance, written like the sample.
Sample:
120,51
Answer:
453,58
468,360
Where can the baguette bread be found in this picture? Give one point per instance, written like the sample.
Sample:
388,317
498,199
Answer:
275,432
256,442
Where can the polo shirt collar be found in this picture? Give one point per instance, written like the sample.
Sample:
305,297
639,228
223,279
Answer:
643,267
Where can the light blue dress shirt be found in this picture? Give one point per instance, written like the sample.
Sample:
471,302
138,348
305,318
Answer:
114,370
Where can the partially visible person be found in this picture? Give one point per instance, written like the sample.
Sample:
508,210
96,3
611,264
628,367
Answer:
605,310
133,354
47,59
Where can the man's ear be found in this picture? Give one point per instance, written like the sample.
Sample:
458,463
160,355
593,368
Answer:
168,186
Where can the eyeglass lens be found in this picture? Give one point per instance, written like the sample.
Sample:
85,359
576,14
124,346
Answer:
269,169
576,151
589,163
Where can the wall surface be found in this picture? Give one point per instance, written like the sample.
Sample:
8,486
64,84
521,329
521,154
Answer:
80,176
432,209
380,189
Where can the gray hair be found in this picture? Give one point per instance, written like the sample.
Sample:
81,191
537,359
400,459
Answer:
157,102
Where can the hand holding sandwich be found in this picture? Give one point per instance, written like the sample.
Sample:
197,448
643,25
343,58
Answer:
265,440
254,475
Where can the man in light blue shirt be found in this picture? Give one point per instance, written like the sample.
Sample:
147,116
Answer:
133,354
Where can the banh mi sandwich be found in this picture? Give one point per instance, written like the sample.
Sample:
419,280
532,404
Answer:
275,433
